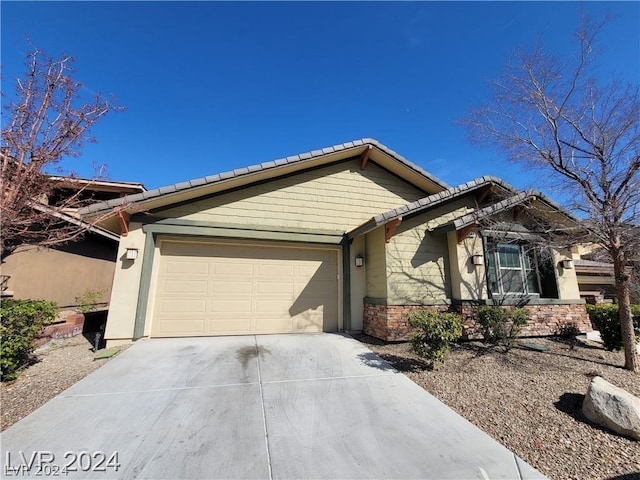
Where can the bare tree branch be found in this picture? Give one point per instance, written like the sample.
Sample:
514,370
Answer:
551,114
46,123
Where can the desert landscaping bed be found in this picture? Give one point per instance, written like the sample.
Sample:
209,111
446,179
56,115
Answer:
58,366
531,401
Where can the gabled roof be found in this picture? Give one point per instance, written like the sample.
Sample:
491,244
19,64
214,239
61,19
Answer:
198,187
432,201
504,205
76,221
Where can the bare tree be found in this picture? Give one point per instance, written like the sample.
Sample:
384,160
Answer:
46,123
581,133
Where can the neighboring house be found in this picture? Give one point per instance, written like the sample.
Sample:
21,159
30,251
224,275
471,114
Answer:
596,279
64,272
350,237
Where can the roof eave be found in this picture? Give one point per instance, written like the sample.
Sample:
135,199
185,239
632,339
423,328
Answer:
283,166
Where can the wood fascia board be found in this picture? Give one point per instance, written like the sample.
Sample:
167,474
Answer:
124,218
465,231
390,228
153,220
364,157
240,234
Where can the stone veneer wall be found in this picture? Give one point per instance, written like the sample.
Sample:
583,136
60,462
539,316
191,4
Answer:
389,323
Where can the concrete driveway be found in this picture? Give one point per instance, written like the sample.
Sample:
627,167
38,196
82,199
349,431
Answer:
273,406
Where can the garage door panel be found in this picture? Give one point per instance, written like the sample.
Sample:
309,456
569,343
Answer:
275,287
317,270
181,326
236,289
182,305
185,286
275,270
231,326
181,266
235,268
229,307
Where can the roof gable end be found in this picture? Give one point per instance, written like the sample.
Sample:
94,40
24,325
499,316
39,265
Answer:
192,189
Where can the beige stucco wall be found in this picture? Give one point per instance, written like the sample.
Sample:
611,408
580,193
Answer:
567,279
61,274
124,295
358,283
337,197
376,264
468,281
417,265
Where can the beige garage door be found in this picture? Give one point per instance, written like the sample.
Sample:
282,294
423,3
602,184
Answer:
222,289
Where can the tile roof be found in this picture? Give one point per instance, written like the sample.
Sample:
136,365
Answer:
240,172
429,202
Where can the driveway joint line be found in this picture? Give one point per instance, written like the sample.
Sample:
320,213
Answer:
264,416
515,459
154,390
260,383
342,377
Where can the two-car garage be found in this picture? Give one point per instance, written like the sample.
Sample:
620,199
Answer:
207,288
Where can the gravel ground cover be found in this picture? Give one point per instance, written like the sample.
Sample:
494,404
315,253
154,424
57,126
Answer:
531,401
59,365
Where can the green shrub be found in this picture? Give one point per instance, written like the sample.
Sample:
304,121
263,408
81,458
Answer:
606,319
22,322
434,333
90,300
502,325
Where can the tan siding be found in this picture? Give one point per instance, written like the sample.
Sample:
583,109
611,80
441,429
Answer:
446,213
417,265
375,264
336,197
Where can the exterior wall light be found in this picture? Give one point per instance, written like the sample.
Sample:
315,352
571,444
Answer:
477,259
132,253
567,264
359,260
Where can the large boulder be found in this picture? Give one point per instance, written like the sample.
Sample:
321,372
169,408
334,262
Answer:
613,408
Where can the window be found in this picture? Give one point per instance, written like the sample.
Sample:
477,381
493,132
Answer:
511,269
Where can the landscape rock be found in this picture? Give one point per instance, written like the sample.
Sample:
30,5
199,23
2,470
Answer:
613,408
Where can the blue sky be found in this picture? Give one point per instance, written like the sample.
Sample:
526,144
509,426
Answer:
212,86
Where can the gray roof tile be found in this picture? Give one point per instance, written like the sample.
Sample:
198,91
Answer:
255,168
197,182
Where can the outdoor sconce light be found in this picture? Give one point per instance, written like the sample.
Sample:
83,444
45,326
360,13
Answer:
359,260
566,264
132,253
477,259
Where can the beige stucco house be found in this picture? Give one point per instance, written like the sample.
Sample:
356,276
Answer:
349,237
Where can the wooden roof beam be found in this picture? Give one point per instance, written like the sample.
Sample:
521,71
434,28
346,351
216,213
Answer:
464,232
123,218
390,229
364,157
518,210
482,195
